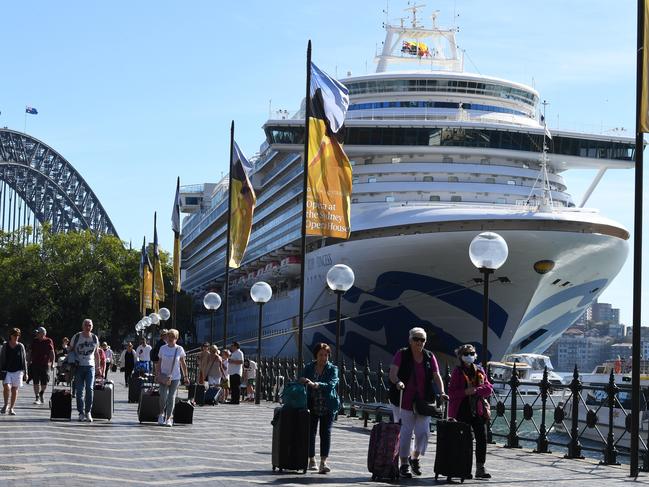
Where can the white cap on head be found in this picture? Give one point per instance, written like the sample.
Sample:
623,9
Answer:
416,332
42,330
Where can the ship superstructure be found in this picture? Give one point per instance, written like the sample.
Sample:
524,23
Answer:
438,156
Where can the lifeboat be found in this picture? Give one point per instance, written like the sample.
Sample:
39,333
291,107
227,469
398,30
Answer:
290,266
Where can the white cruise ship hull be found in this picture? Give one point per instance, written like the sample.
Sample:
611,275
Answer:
428,280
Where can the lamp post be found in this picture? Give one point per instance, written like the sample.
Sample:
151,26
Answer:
260,292
164,314
340,278
488,251
212,301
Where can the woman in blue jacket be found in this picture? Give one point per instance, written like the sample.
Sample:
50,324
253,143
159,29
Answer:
321,379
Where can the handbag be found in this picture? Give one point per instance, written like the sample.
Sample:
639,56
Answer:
164,379
294,395
426,408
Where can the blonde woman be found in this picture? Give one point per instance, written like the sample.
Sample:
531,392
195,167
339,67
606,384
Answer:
171,360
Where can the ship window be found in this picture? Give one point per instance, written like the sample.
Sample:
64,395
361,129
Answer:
434,197
456,199
354,200
371,180
490,180
389,199
452,179
189,200
428,179
355,180
501,201
511,182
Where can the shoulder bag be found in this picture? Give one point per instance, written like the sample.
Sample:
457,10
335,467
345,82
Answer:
164,379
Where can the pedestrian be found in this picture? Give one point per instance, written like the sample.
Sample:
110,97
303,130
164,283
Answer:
161,342
63,351
144,355
127,360
321,379
235,371
109,358
249,376
469,391
13,362
204,358
100,369
225,380
214,369
85,346
171,360
42,361
413,372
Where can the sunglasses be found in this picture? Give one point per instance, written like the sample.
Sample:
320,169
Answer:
418,339
466,354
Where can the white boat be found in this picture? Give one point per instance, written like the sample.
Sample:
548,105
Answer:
529,368
439,155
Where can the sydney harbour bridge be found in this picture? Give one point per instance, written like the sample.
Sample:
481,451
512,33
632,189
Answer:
38,186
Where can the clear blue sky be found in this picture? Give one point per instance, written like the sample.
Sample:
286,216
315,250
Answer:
134,94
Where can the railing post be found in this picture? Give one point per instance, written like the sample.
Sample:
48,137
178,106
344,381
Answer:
542,441
490,436
276,374
610,452
512,437
343,387
574,447
380,384
367,384
354,390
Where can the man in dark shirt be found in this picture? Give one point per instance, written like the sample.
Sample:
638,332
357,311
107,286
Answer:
42,359
156,349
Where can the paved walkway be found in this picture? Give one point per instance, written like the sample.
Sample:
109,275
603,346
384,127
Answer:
226,445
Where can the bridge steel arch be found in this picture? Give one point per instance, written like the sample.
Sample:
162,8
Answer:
48,184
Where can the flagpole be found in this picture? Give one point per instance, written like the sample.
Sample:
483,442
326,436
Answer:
142,305
175,284
155,218
637,247
307,115
226,284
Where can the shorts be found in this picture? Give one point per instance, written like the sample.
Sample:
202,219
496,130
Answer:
251,382
40,374
14,379
214,381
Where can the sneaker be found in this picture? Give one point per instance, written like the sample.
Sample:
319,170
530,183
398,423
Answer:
324,468
161,420
12,412
404,471
414,465
88,417
312,464
37,401
169,423
82,417
481,473
3,410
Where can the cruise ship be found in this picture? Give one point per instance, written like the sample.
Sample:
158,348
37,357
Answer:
439,155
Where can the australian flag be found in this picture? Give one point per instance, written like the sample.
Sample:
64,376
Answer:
31,110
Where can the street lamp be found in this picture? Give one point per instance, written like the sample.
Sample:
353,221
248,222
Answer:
260,292
164,314
212,301
155,318
340,278
488,251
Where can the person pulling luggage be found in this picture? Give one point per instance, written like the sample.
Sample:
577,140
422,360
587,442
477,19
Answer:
469,391
321,379
413,371
171,361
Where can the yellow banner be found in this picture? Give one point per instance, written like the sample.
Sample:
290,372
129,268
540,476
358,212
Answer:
644,103
145,297
159,282
177,262
243,204
329,185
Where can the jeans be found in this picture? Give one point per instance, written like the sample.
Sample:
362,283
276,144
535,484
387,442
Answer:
326,422
479,426
84,377
168,398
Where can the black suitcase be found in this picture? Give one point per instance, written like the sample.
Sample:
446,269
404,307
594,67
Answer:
454,454
196,393
61,404
103,400
183,412
290,449
148,408
135,385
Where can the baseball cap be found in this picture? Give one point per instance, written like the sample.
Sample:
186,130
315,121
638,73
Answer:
42,330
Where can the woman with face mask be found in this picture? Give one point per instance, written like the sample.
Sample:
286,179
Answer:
468,391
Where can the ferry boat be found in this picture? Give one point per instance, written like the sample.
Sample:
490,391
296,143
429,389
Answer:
439,155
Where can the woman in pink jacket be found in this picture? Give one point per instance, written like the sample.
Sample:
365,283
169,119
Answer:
468,394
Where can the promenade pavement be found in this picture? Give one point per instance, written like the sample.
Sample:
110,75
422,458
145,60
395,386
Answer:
227,445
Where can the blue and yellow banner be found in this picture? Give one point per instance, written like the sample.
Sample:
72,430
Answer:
242,206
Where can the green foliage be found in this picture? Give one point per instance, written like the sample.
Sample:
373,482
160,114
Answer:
68,277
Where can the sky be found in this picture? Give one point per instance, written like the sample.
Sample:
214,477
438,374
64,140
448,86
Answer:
134,94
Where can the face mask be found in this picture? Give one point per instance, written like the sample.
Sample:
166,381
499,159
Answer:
468,359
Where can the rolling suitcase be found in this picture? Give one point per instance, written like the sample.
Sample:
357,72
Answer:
196,392
61,404
212,396
102,402
383,451
454,453
290,449
183,412
148,408
135,385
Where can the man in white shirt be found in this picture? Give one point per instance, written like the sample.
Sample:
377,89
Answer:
144,355
235,371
